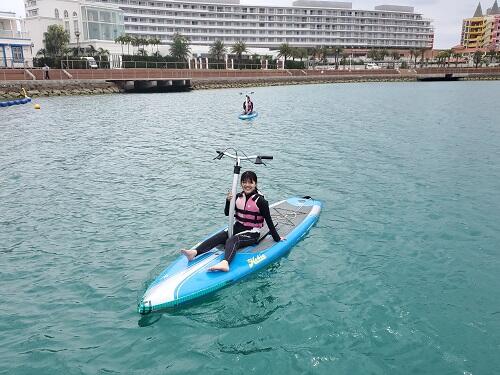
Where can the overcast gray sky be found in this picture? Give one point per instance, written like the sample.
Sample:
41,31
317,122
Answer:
446,14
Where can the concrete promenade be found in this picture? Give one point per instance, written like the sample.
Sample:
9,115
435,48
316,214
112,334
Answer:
99,81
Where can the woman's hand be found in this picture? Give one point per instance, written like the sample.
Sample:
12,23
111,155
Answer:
229,196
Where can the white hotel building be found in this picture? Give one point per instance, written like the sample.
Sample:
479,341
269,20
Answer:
307,23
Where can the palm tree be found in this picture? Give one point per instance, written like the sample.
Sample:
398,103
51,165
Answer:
91,51
66,51
154,42
42,52
372,54
301,53
443,56
120,39
456,56
136,42
345,56
102,53
323,53
314,52
127,39
217,50
422,56
142,43
157,43
382,54
413,55
395,56
77,51
179,48
239,48
285,51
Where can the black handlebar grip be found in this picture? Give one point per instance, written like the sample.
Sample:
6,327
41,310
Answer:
267,157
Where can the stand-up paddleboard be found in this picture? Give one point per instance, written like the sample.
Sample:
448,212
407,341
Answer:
248,116
184,281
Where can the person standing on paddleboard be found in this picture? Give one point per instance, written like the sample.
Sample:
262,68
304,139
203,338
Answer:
251,211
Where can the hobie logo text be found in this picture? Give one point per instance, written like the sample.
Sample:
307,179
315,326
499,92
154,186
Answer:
255,260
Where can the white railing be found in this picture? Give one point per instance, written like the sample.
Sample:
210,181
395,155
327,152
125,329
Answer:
13,34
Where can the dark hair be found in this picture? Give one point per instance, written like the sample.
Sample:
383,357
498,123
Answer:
249,175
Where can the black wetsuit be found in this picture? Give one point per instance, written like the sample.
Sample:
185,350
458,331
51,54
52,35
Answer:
242,235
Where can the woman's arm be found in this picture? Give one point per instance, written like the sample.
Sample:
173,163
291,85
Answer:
264,211
226,208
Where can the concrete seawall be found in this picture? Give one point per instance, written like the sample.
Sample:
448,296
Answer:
40,88
12,89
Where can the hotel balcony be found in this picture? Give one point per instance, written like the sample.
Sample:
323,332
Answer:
14,34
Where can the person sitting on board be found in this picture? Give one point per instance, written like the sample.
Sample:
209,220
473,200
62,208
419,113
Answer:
249,106
250,213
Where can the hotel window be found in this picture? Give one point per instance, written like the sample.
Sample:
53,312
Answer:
66,26
75,14
56,13
65,14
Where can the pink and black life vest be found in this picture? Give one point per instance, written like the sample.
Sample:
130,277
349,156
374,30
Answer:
247,212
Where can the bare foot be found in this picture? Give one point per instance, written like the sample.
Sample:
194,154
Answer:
190,254
221,266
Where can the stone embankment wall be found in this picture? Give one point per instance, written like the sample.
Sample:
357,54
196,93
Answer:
13,89
201,84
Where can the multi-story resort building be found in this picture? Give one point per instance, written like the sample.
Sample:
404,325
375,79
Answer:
306,23
482,31
15,44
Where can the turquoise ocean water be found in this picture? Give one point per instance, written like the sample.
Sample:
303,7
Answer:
399,276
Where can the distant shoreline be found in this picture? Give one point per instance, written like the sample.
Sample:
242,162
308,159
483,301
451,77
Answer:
12,89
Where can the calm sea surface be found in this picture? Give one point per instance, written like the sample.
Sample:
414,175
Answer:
399,276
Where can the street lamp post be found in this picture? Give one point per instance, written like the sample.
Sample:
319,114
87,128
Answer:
77,35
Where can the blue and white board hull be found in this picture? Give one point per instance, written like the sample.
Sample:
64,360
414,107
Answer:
184,281
248,117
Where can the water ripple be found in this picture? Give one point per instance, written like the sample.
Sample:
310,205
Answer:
398,276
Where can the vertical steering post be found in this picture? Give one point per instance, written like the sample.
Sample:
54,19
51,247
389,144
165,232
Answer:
236,175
